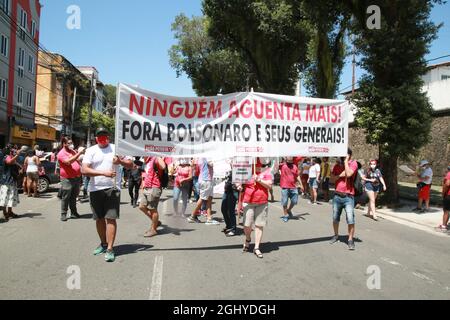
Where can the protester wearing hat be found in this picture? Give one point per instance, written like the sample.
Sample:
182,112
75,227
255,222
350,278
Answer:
135,180
425,176
183,178
100,164
446,200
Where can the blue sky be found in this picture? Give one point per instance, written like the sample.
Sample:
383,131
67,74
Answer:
128,41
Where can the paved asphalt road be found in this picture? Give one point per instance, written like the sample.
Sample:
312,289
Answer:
196,261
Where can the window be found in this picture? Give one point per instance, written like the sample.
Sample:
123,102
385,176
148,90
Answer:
3,88
445,77
29,99
23,19
21,62
19,96
4,5
33,28
30,64
4,46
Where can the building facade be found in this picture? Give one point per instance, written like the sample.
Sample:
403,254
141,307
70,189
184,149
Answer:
57,106
19,42
98,98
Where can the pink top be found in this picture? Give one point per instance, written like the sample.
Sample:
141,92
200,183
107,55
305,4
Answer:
68,171
182,173
254,192
345,185
288,177
447,178
151,179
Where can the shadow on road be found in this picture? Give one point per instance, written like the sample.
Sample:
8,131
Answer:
299,216
29,215
266,246
124,249
175,231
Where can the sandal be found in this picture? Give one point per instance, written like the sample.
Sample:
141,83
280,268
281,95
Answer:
150,233
246,245
258,253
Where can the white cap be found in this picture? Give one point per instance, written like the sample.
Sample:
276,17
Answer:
423,162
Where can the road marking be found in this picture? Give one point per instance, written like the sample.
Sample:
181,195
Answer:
423,277
395,263
155,289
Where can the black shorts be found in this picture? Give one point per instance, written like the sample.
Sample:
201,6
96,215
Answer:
105,204
446,203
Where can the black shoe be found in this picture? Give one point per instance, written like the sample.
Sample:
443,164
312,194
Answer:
64,217
75,216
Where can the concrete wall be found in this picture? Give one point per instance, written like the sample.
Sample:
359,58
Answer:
437,151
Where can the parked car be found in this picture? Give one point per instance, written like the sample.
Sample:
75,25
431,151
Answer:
48,175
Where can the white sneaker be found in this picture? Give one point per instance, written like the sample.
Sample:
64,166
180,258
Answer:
212,222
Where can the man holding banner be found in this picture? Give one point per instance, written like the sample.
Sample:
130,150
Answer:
100,164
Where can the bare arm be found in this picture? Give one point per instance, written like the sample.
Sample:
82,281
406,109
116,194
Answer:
72,159
383,183
446,187
348,172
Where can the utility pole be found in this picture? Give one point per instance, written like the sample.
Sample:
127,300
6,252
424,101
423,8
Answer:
90,112
73,110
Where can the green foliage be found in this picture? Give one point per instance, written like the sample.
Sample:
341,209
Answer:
212,70
98,120
327,50
109,92
392,108
271,36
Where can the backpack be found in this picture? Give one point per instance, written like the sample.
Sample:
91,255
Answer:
358,185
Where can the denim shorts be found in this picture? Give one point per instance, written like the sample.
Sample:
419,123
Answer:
313,183
347,203
287,194
371,187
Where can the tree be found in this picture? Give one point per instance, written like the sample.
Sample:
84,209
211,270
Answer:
98,120
110,94
392,109
212,70
271,35
330,20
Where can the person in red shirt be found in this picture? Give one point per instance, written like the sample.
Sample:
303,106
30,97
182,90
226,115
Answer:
446,200
149,201
345,172
256,196
289,179
70,173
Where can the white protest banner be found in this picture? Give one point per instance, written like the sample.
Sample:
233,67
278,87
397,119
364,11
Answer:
239,124
242,169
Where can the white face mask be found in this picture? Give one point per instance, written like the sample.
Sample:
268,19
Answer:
373,166
71,146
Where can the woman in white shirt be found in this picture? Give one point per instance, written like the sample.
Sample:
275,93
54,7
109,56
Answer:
314,179
32,164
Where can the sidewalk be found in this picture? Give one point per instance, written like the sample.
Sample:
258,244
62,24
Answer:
424,221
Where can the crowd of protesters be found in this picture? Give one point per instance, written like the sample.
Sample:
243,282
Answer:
101,173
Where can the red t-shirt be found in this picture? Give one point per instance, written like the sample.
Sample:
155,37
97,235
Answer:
68,171
152,179
254,192
288,176
447,178
345,185
297,160
182,173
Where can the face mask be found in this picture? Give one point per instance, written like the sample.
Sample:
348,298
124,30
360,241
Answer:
71,146
103,140
373,166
